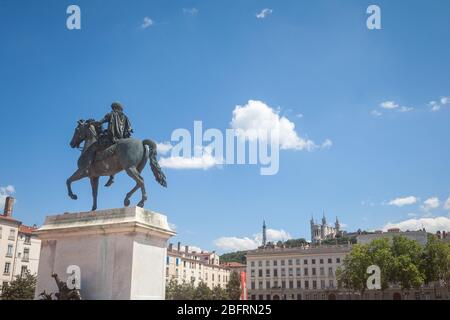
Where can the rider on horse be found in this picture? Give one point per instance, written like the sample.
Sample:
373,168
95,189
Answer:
119,127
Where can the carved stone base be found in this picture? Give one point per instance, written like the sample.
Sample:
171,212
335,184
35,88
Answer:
121,253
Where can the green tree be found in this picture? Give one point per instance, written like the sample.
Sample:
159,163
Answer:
219,293
380,254
238,256
202,292
436,261
407,264
234,286
353,273
21,288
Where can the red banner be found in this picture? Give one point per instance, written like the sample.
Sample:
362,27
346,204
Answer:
243,285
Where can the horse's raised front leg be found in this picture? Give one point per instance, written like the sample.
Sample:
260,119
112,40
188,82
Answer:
94,185
78,175
135,175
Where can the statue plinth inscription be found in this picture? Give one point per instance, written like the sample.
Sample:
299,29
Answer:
121,253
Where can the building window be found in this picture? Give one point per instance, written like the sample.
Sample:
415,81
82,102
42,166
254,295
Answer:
313,261
330,271
321,261
313,271
252,273
283,272
260,297
290,262
253,285
282,262
23,271
9,253
283,284
252,263
12,234
297,261
322,271
306,284
322,284
26,254
299,284
298,272
253,297
306,271
305,261
275,263
330,260
275,284
260,273
260,285
267,272
331,283
275,272
314,283
338,260
267,284
167,260
268,297
291,272
267,263
259,263
291,284
27,239
7,267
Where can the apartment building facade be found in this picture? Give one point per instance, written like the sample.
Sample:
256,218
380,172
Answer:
19,248
188,266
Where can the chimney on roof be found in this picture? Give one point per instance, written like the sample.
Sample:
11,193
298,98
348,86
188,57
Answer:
170,247
186,249
179,246
9,205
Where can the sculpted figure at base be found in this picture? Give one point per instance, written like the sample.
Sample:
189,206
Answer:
106,153
64,293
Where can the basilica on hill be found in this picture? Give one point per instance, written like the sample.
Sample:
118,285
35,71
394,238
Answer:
323,231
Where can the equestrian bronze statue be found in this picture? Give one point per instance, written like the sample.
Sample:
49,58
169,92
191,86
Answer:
106,153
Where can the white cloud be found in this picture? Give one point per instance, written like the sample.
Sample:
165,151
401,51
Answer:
376,113
164,148
190,11
256,119
400,202
206,161
389,105
264,13
430,204
405,109
447,204
327,144
247,243
5,192
147,23
430,224
438,105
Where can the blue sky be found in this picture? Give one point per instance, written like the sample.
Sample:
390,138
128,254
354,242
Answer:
368,91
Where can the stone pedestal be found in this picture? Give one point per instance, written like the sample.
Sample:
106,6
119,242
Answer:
121,253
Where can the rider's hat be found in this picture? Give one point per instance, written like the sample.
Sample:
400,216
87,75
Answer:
116,106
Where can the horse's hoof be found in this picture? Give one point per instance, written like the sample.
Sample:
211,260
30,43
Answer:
73,197
94,208
140,204
109,183
126,202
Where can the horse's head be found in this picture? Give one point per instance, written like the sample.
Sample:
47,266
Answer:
80,134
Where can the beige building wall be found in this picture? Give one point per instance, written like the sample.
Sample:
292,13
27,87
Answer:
186,266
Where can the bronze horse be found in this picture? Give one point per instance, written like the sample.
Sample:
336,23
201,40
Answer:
129,155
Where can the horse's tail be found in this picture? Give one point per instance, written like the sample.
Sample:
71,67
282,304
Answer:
154,165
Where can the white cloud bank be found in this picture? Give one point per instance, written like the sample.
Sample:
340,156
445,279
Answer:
250,243
256,119
438,105
5,192
400,202
431,204
430,224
